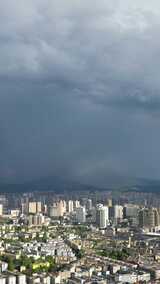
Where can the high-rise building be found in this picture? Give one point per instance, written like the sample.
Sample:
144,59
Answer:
62,207
102,216
36,220
76,204
89,204
45,209
84,201
91,216
130,211
39,207
118,212
58,209
53,211
4,202
109,202
24,208
70,206
15,213
32,207
1,209
148,217
81,214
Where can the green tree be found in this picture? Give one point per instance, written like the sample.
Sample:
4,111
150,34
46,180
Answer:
11,266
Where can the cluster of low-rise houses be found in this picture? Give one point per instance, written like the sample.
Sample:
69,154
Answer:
56,248
90,270
80,236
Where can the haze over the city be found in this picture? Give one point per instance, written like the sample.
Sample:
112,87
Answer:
79,89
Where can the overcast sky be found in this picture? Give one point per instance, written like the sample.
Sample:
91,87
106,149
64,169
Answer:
79,89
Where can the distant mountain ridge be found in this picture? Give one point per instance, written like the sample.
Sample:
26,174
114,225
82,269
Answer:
54,184
57,184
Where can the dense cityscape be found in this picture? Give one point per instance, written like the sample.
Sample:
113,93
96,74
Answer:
87,237
79,142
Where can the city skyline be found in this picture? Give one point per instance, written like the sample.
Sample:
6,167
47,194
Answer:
79,142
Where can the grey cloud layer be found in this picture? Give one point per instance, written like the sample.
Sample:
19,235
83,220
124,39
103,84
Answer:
106,51
60,63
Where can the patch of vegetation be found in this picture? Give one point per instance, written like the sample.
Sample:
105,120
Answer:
115,254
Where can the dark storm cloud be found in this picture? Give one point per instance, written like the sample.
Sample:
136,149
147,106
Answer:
98,48
79,88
